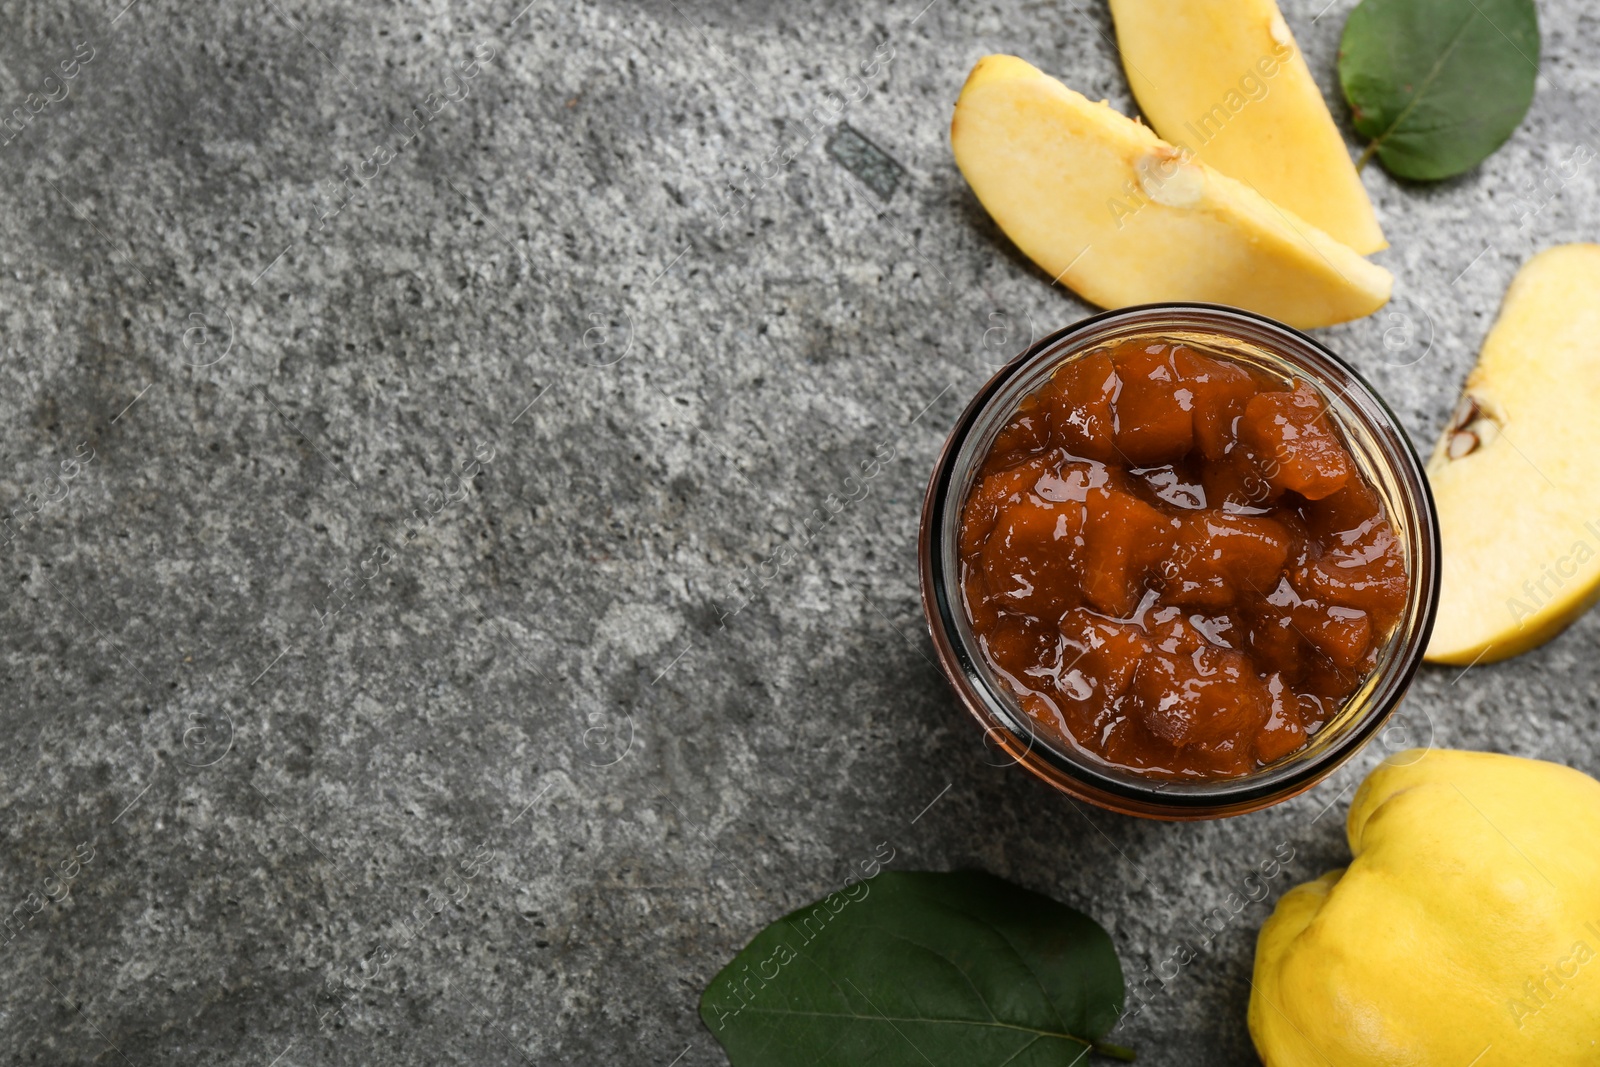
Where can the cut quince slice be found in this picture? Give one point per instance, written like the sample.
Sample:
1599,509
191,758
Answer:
1512,476
1227,82
1104,205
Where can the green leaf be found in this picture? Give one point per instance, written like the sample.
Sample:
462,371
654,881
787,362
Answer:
1437,85
922,970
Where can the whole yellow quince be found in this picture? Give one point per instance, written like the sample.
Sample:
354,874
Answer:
1464,932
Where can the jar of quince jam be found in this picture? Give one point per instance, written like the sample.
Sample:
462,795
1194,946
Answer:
1179,561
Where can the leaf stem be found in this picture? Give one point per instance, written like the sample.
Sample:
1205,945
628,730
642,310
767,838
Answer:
1116,1052
1366,155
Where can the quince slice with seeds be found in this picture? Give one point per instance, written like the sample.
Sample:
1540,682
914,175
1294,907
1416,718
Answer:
1513,474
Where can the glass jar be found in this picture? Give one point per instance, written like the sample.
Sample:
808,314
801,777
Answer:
1385,458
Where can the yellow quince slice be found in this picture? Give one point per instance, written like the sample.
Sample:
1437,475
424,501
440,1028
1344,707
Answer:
1122,217
1513,474
1225,80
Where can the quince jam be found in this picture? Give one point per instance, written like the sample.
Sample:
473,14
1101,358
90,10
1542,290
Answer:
1173,561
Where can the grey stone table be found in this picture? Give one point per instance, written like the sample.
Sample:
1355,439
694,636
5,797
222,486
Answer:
415,649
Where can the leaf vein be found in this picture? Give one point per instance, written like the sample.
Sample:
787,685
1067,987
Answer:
1032,1041
965,977
1422,89
880,1017
1021,959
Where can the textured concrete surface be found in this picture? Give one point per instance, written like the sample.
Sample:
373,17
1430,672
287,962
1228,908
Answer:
393,633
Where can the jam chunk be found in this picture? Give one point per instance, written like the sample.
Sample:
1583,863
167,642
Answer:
1219,558
1098,661
1299,450
1220,391
1211,699
1024,648
1028,430
1284,731
1123,539
1030,563
1154,410
1079,399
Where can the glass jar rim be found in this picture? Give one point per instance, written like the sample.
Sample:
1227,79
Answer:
1080,774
